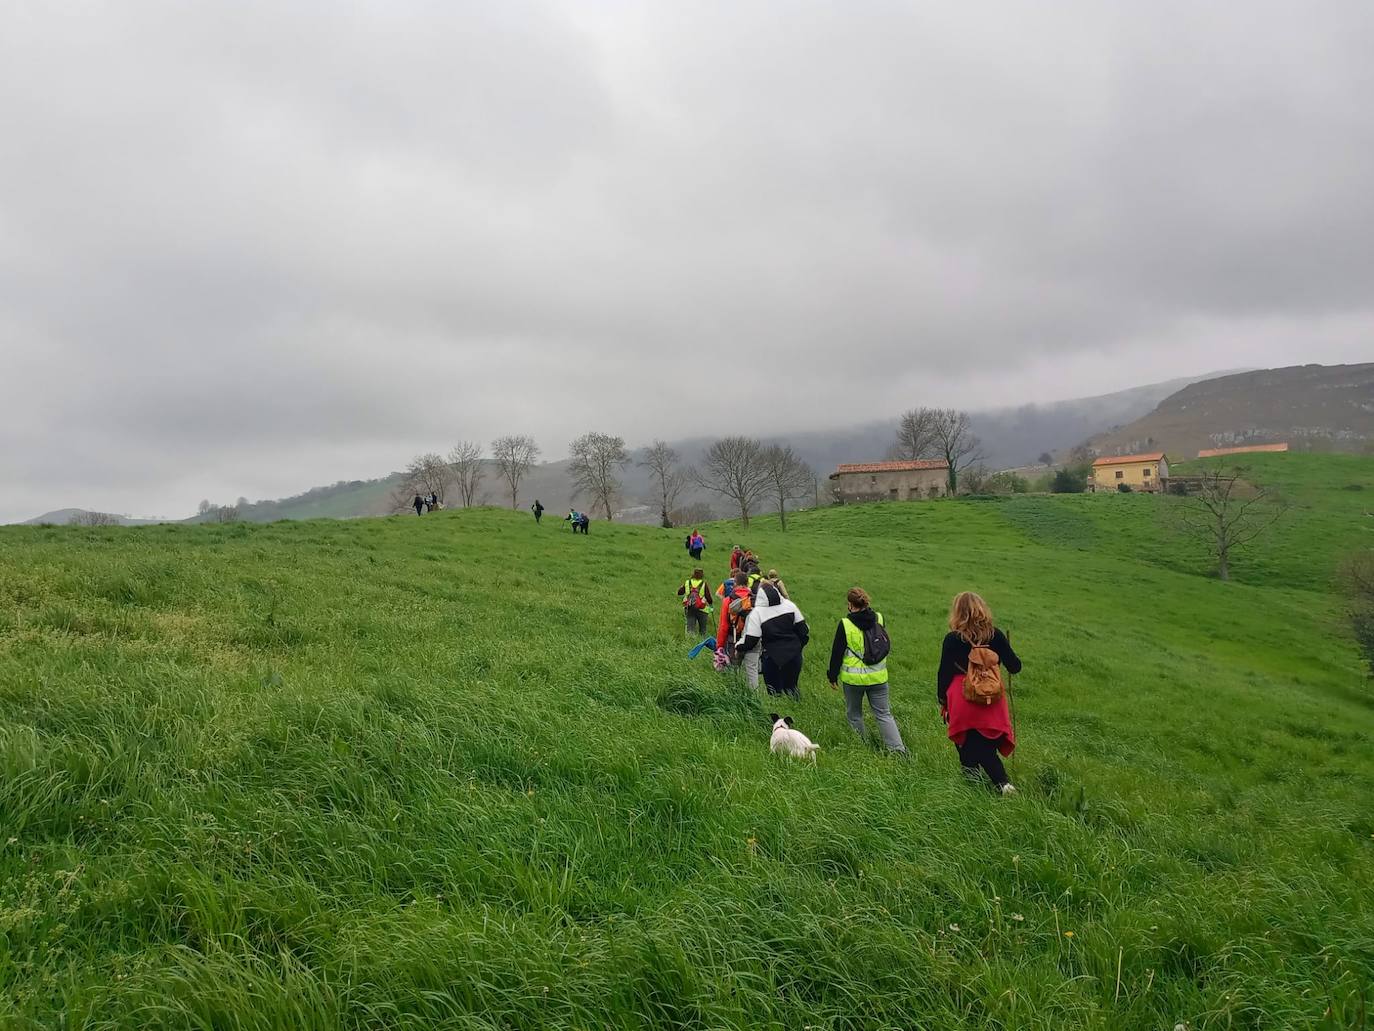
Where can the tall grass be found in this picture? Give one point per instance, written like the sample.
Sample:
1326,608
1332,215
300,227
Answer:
457,771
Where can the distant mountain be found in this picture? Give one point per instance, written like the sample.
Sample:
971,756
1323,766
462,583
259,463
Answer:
1011,437
1309,407
63,516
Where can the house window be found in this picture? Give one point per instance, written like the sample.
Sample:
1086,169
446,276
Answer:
893,492
1120,474
1146,474
873,479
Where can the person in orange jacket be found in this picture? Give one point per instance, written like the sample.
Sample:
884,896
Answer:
730,631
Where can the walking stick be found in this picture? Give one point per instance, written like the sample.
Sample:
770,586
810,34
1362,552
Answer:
1011,708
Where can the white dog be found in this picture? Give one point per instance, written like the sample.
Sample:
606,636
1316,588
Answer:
792,742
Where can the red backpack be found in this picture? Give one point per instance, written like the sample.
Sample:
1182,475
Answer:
696,596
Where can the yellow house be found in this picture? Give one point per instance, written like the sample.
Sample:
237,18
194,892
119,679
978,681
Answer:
1139,472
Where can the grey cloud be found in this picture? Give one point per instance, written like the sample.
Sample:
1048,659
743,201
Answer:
245,248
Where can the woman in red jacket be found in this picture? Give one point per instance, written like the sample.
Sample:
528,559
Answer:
979,732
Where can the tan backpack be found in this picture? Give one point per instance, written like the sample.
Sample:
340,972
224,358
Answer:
983,683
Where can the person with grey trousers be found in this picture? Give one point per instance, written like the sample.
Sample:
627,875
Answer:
860,678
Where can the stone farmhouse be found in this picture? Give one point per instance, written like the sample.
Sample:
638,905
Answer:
889,481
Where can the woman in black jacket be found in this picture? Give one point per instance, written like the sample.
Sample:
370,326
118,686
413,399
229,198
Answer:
979,732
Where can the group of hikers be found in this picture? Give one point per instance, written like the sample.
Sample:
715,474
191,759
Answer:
426,502
579,520
762,632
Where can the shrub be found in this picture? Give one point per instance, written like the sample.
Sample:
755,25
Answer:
1069,481
1123,488
1006,482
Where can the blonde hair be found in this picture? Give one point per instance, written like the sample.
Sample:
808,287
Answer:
970,618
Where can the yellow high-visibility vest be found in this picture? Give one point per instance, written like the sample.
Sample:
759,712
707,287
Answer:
852,668
701,590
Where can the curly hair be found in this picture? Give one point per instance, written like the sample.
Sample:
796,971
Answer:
970,618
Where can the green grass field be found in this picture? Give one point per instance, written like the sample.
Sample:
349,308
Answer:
457,772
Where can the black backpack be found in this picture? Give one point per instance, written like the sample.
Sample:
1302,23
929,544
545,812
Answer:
877,644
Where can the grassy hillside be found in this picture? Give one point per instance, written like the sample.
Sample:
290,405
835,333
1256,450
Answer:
456,771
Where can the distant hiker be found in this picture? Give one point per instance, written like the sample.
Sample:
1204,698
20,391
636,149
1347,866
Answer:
749,565
735,554
696,544
776,627
419,505
971,690
538,511
773,578
696,604
572,517
858,662
583,521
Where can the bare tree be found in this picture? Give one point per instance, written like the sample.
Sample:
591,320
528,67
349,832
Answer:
423,475
955,442
976,479
691,514
788,478
662,463
225,514
733,468
94,519
204,506
515,456
596,459
465,463
916,437
1224,512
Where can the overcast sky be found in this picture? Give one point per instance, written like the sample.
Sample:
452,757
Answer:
247,248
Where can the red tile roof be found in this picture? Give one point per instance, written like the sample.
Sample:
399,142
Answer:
1215,451
1153,456
891,467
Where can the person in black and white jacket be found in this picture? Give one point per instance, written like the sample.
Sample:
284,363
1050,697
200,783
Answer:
777,626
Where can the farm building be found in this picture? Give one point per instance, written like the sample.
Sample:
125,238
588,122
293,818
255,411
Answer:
1217,452
1148,472
889,481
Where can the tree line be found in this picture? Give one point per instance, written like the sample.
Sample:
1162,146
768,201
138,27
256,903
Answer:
744,470
747,472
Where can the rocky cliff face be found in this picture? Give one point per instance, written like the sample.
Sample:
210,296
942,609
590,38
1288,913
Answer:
1309,407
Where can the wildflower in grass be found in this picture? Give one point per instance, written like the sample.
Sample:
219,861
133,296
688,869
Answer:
1018,917
954,927
1068,934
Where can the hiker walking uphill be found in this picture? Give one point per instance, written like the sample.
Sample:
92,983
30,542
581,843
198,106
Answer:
419,504
696,544
775,628
735,607
972,691
858,663
580,520
538,511
696,604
